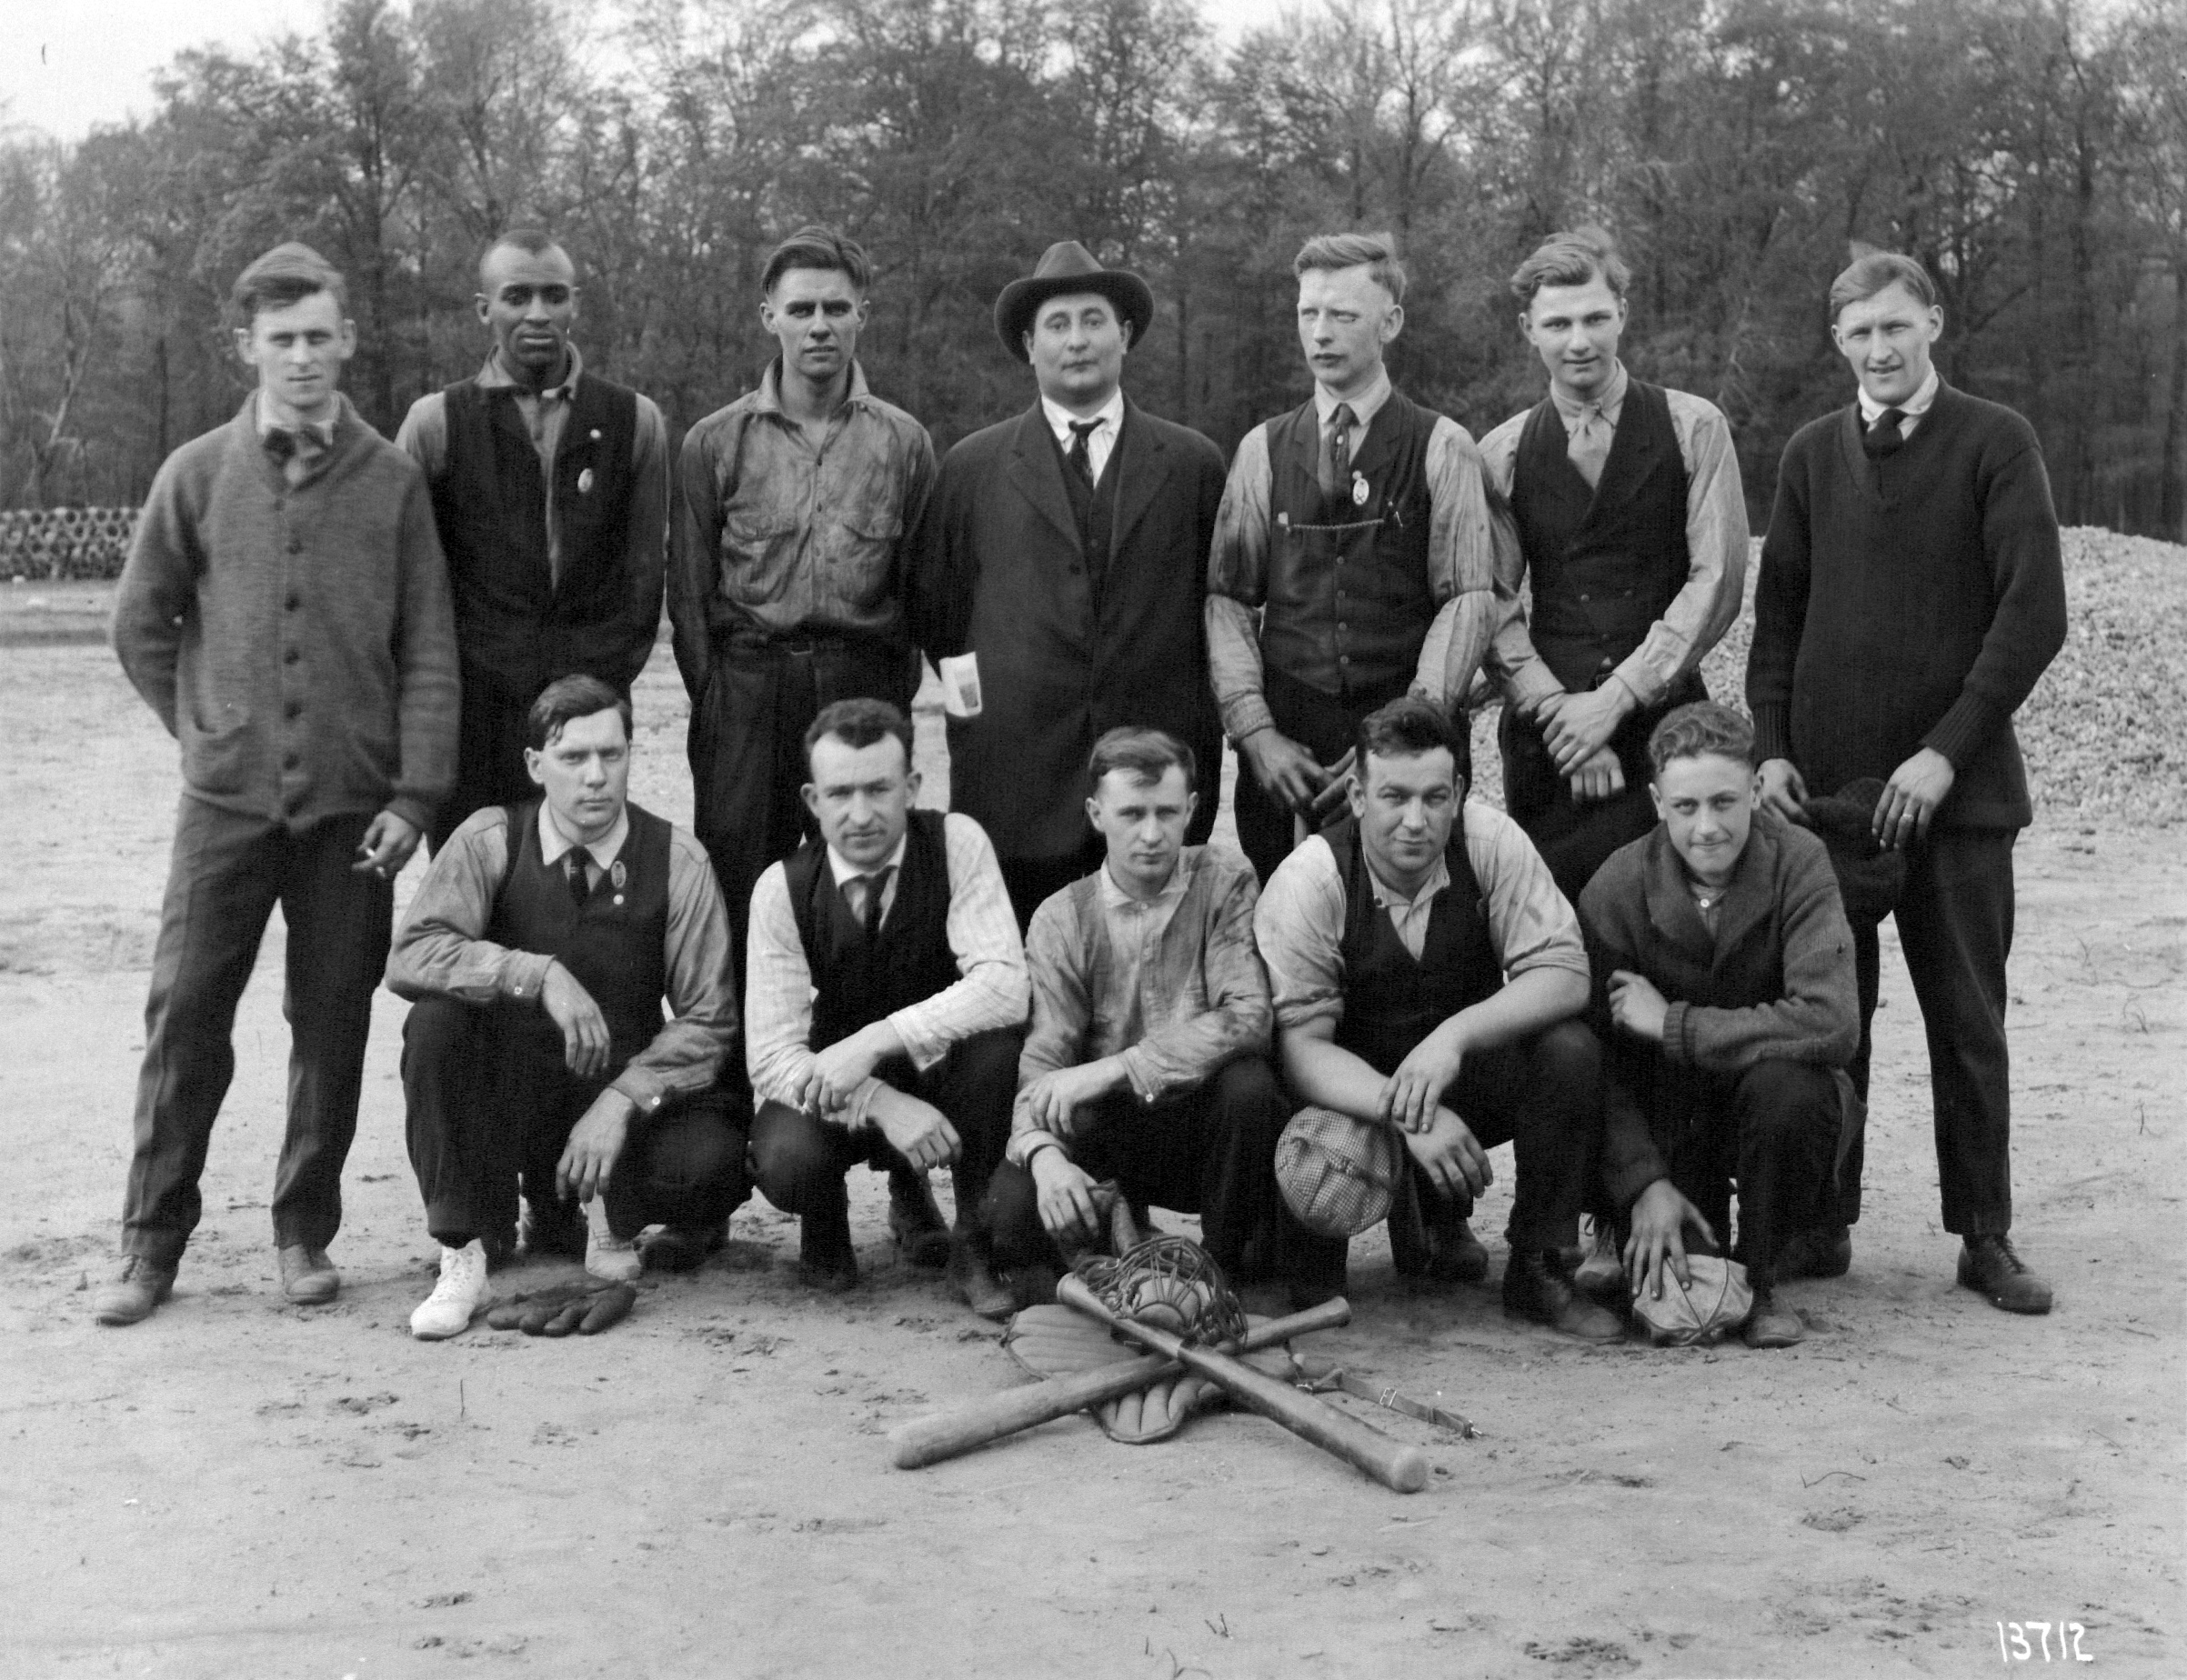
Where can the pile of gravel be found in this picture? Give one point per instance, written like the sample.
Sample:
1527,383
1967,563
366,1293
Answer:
2105,731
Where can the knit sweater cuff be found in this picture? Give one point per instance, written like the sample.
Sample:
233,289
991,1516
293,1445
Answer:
1676,1027
1772,731
1961,731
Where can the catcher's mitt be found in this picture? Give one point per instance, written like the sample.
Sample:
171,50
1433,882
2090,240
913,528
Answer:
1713,1305
587,1309
1055,1341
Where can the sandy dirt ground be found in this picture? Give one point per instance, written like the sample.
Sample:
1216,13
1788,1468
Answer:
241,1488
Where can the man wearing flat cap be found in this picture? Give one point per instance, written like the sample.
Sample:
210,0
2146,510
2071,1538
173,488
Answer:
1064,551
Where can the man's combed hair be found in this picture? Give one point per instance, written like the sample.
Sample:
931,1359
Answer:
860,722
1405,729
566,699
1146,754
1703,729
1572,258
281,276
816,247
1377,251
1878,271
531,239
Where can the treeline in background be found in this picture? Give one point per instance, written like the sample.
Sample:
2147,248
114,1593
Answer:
2033,153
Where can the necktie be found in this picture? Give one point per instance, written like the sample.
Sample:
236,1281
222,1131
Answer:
1081,455
580,891
1884,437
876,885
1587,448
1335,459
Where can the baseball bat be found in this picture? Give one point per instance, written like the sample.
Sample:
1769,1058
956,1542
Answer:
1400,1467
945,1434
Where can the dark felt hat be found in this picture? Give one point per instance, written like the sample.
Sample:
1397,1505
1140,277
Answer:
1069,266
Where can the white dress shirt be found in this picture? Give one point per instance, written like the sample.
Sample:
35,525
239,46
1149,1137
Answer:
1108,423
1911,409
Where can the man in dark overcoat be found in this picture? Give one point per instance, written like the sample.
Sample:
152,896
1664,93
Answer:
1065,550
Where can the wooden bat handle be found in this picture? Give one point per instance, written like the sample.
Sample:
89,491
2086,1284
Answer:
1395,1465
945,1434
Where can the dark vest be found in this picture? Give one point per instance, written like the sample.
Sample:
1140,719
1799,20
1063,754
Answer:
858,981
1348,599
1604,563
1392,999
617,946
513,618
1095,509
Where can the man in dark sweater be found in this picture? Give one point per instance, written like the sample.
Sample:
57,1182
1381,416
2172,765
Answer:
1910,596
537,955
550,492
1724,1001
886,1005
284,612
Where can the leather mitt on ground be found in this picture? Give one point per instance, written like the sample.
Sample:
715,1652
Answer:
586,1308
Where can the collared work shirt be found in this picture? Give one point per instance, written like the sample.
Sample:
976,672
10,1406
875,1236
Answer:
1706,605
1174,987
441,949
1461,574
1301,921
776,536
424,436
1911,411
1364,409
989,993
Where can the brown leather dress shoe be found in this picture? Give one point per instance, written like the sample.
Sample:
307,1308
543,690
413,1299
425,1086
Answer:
131,1293
1536,1288
307,1277
1989,1266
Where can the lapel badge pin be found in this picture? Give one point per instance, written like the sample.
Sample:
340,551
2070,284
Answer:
1359,490
617,873
585,482
595,433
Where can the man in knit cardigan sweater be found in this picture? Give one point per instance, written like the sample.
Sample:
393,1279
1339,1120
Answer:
1910,596
284,612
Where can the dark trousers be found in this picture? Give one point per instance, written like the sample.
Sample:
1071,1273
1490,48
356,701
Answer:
489,753
1955,926
799,1159
489,1104
1542,1096
227,874
1029,880
747,746
1772,1128
1325,725
1210,1152
1576,839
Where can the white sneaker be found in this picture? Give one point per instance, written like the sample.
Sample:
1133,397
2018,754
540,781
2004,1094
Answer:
461,1292
607,1256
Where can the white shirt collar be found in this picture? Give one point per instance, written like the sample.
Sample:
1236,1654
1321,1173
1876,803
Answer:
322,431
495,377
1114,897
1387,897
554,843
1364,406
842,869
1913,407
1060,418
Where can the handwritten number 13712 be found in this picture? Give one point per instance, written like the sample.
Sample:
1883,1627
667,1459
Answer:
2019,1651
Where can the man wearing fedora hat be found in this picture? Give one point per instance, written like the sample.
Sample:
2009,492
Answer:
1352,563
1064,551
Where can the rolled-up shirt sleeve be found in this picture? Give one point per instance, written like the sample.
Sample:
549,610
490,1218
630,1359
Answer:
1519,672
1461,568
1530,923
441,949
777,995
1184,1052
1238,576
1299,925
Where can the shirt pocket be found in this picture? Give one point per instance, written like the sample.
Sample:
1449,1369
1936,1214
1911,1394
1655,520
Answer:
862,550
758,554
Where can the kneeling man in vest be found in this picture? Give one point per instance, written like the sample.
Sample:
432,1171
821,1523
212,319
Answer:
1724,991
1388,939
886,1007
538,952
1147,1062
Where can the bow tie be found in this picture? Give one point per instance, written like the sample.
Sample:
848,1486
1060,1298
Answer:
305,441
